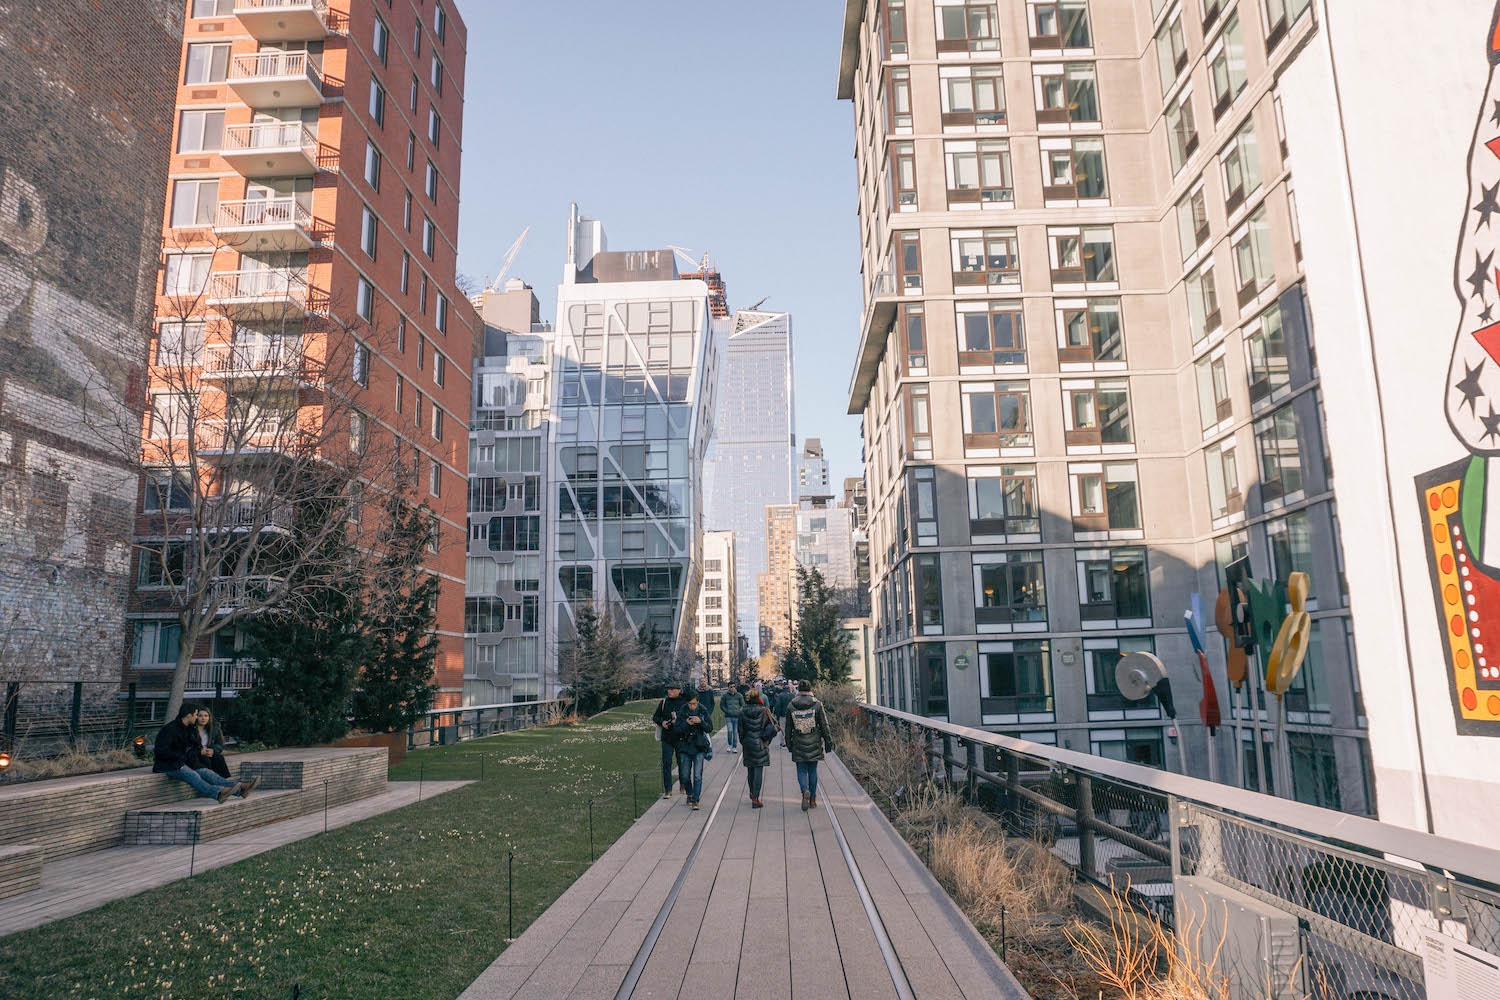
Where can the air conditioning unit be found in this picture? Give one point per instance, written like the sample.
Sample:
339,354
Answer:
1251,944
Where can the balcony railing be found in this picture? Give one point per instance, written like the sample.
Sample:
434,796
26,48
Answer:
276,79
261,136
247,512
253,358
275,63
222,675
283,20
269,213
234,592
267,292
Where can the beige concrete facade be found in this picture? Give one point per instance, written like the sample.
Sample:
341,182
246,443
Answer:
1065,438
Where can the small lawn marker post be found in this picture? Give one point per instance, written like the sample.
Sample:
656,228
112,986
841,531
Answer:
510,895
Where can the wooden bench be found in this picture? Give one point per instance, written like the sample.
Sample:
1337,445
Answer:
20,869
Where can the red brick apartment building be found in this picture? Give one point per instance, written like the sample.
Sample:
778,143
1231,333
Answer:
312,211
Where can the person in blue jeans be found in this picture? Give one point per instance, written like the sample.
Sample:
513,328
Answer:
808,739
176,756
665,720
693,747
733,704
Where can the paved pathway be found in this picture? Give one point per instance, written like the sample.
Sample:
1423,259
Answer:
767,906
73,885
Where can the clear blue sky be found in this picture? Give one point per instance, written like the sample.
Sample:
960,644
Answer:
710,125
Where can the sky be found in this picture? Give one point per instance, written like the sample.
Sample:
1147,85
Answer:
709,125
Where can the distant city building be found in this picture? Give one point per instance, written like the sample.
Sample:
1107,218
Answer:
861,632
752,460
858,500
812,470
825,542
718,604
777,585
634,374
505,619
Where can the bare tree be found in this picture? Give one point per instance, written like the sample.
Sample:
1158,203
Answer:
254,400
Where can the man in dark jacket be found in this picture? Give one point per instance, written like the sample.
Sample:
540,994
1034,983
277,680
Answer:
808,739
778,709
176,749
665,718
733,703
693,744
706,695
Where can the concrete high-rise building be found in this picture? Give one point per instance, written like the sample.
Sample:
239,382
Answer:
718,605
85,140
812,471
776,587
751,460
1086,373
634,373
313,214
506,657
824,541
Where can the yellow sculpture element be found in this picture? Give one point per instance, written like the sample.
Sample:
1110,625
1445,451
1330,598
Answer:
1291,642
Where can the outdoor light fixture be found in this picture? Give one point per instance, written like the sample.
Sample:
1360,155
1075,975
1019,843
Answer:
4,761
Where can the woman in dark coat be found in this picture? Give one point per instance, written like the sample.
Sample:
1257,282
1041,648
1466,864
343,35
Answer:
754,718
210,752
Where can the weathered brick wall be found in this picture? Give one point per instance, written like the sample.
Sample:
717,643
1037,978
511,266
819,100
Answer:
86,91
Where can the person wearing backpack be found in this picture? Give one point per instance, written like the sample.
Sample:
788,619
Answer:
808,739
665,719
757,730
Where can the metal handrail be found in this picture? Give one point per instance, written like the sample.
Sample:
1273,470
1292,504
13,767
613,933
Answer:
266,212
318,6
276,282
274,62
259,136
253,356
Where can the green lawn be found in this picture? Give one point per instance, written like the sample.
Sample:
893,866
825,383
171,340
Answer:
411,903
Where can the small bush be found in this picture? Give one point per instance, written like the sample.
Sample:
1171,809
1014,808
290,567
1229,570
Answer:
72,762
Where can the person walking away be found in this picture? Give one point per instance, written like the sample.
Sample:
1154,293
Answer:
808,739
733,703
757,729
665,718
177,746
778,709
693,746
210,745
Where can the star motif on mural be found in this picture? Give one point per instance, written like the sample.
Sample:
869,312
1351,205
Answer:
1487,314
1481,275
1496,117
1469,385
1491,424
1488,204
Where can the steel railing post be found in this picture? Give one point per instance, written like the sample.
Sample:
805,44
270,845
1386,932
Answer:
75,722
970,781
12,709
1085,817
947,756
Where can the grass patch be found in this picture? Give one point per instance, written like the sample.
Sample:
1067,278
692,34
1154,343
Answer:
416,896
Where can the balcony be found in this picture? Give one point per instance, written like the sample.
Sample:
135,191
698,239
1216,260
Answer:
267,294
263,361
275,79
243,513
263,225
283,20
880,314
271,149
237,592
209,677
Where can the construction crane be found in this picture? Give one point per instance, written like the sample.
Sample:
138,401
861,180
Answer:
699,266
756,307
498,285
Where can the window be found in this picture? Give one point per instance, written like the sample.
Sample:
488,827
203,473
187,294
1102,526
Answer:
1016,679
1096,414
369,232
1092,333
1280,16
1002,501
921,421
1265,347
1226,67
1223,480
439,22
422,294
992,335
1240,162
441,318
194,203
437,422
432,181
897,100
1315,768
381,43
1073,170
434,127
972,97
1060,25
411,151
893,28
414,93
908,260
186,273
1112,586
1253,268
1214,403
1309,689
911,319
1203,302
516,533
364,302
1106,499
207,64
372,166
1182,129
161,564
1134,746
360,371
929,594
1009,589
1171,51
171,412
966,27
436,75
435,479
1277,441
377,104
1104,698
166,490
996,416
429,237
934,679
924,506
902,179
213,8
1067,94
405,285
200,132
1228,550
439,367
1082,256
406,213
1192,221
1290,540
979,174
987,258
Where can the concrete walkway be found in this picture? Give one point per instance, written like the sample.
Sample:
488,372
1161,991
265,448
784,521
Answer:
731,902
73,885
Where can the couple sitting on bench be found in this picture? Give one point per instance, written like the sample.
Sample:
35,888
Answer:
189,750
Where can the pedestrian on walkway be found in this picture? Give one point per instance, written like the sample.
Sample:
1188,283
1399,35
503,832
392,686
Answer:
706,695
778,710
693,747
808,738
732,703
757,730
665,718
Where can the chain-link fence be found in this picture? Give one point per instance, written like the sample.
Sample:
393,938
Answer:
1283,898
